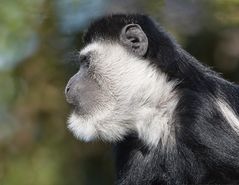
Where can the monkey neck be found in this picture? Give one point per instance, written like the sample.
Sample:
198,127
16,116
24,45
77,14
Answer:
154,121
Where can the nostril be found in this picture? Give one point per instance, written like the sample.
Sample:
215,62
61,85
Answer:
67,91
68,94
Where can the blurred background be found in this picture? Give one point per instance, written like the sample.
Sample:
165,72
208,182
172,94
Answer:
37,39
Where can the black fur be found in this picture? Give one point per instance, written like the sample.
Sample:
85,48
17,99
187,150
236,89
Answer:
207,148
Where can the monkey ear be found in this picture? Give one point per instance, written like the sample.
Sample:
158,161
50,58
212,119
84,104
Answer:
134,38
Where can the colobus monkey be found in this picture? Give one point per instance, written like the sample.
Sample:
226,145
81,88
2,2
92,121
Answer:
172,120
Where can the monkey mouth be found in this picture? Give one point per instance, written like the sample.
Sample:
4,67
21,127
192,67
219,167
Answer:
80,111
77,107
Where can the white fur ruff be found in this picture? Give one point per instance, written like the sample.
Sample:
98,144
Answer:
144,98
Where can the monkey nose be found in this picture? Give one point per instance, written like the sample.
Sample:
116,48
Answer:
69,94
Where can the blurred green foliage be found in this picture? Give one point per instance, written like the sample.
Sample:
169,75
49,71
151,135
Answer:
35,64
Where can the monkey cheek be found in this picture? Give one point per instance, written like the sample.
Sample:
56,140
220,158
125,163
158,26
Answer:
85,106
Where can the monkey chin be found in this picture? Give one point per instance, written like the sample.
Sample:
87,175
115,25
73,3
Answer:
81,128
93,126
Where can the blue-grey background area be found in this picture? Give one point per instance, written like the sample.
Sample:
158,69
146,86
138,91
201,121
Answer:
37,42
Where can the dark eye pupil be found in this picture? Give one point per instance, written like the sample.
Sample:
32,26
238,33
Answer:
84,61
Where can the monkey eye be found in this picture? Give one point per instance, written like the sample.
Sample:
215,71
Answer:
84,61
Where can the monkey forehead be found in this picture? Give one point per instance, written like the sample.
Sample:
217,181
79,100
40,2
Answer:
101,47
95,46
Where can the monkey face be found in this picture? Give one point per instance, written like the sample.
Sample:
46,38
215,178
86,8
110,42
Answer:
116,91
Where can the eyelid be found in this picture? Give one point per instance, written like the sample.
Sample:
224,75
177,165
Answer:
83,57
84,60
